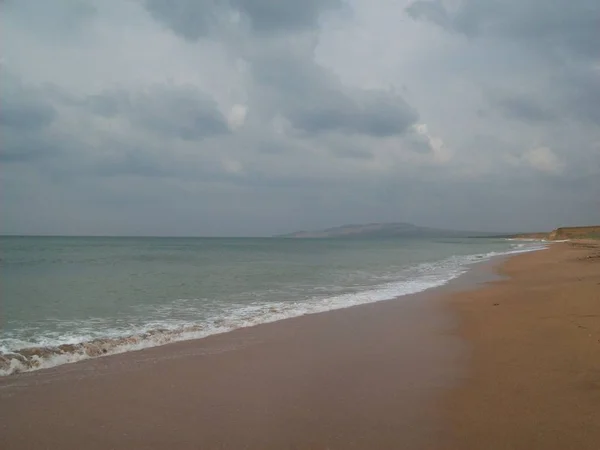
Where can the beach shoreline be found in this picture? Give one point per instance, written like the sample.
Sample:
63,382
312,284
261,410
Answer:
356,377
391,374
53,339
350,378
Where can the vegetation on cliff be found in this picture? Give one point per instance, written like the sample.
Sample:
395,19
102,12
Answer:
563,233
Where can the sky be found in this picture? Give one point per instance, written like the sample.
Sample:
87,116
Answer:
260,117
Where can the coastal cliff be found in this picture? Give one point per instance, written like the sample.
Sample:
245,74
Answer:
564,233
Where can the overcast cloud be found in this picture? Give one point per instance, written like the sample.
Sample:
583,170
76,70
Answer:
258,117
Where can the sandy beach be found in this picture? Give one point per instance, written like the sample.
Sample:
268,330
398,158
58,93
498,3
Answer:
513,364
534,370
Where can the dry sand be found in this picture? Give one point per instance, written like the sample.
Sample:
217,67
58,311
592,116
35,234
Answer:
534,378
391,375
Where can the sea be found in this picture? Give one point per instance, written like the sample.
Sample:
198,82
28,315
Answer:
65,299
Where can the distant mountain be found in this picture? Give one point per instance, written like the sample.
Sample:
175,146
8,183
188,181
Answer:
399,229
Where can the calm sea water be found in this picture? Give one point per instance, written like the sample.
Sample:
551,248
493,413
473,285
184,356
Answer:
71,298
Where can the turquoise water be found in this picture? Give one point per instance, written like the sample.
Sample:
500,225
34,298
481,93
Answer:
70,298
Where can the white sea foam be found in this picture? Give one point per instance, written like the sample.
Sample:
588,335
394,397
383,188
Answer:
93,341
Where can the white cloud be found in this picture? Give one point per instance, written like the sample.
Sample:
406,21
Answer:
544,160
232,166
441,153
237,116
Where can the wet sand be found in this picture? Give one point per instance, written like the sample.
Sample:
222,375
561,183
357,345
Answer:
366,377
514,364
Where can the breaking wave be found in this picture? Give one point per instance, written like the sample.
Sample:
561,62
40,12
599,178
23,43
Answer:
16,357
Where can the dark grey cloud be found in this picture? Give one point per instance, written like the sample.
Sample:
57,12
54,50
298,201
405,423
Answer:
523,108
351,151
106,104
551,24
51,19
369,113
559,39
182,112
572,26
432,10
582,93
283,15
315,101
193,19
18,148
190,19
168,112
25,113
24,108
125,159
174,111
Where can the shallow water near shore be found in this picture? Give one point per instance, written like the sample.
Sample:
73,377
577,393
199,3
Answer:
68,299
